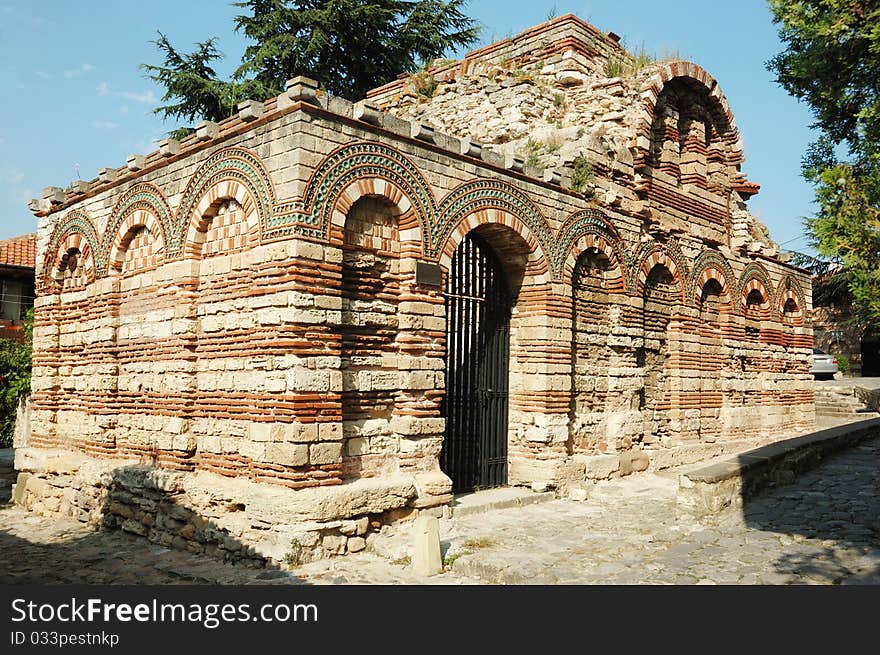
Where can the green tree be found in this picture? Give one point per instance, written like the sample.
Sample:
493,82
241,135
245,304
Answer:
193,87
15,377
348,46
832,62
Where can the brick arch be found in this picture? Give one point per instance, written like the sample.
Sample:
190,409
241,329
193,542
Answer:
76,230
135,218
492,201
711,265
409,225
584,230
797,318
227,189
86,260
789,289
650,93
143,199
230,173
370,163
755,284
753,277
537,268
616,284
655,254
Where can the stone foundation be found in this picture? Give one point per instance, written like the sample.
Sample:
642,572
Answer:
233,520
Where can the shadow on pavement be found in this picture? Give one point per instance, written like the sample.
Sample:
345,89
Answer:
145,536
829,511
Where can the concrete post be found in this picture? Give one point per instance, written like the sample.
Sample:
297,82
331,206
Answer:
426,546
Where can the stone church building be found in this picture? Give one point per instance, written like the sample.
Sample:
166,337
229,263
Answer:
533,266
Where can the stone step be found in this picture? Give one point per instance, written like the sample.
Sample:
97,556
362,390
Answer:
840,412
837,408
842,402
857,415
502,498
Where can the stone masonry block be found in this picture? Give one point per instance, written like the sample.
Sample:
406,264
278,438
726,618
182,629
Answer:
601,467
136,162
250,110
207,130
287,454
632,461
325,453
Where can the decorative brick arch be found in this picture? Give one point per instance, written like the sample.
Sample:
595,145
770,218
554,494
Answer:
789,289
137,218
142,205
409,225
584,230
488,200
753,277
752,285
655,254
206,209
711,265
536,267
650,93
369,162
76,230
230,173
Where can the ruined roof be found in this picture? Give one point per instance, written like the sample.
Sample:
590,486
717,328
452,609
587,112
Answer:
564,91
539,103
556,91
19,251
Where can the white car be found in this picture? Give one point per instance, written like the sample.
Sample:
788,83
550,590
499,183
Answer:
824,365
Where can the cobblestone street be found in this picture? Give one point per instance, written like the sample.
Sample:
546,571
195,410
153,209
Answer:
824,529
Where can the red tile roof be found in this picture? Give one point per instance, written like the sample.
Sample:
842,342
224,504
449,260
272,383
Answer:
19,251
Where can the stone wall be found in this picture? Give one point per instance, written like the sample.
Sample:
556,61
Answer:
234,520
250,305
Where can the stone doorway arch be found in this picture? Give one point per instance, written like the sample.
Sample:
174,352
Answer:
479,300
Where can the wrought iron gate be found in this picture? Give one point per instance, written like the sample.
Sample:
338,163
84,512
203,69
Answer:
478,304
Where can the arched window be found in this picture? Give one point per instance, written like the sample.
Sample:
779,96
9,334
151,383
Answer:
662,294
591,324
754,306
71,273
370,289
226,229
689,136
710,300
138,247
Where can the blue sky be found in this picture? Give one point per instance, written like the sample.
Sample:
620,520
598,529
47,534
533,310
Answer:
74,99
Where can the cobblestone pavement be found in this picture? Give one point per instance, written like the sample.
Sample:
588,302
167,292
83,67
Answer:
823,529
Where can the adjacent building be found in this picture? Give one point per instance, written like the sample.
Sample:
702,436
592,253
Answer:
17,260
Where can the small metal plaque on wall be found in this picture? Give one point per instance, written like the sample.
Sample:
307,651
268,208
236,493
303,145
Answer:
428,273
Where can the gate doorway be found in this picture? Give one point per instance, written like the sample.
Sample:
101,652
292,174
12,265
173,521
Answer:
478,303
